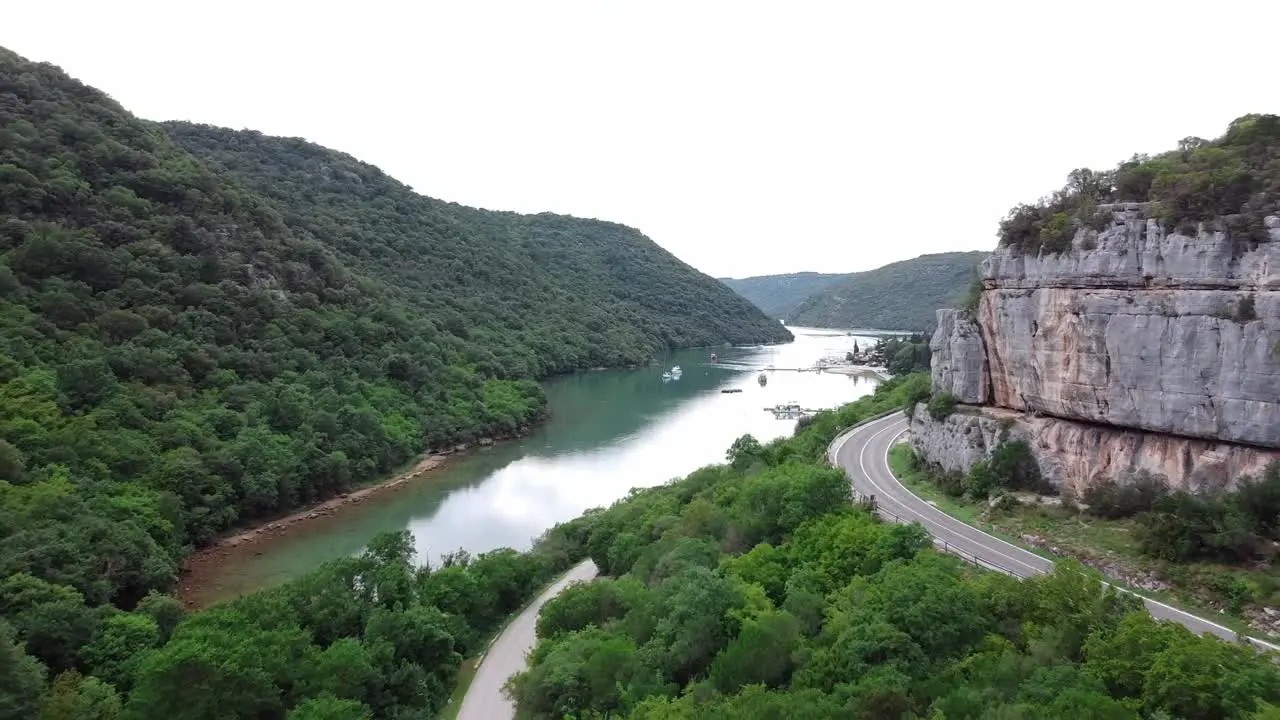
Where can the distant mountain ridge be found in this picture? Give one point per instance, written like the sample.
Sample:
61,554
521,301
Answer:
898,296
780,295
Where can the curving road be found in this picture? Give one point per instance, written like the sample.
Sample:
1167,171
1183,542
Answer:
506,655
863,452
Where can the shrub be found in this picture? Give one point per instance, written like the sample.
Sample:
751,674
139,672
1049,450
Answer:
1184,527
1014,467
917,390
974,294
1245,310
980,481
1057,232
1112,501
942,405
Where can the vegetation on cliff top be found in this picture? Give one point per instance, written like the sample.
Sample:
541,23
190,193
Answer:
184,348
1232,183
779,295
899,296
758,590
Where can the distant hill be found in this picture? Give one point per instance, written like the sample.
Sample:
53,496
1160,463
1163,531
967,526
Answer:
898,296
779,295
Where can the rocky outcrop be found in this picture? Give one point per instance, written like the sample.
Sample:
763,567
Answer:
959,358
1076,455
1133,327
1137,349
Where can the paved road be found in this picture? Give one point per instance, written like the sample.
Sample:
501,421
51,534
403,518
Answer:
506,656
864,454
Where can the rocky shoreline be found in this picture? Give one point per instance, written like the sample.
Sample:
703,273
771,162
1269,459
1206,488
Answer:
201,566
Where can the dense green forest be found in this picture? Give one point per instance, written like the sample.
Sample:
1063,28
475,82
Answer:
779,295
184,348
759,590
529,295
899,296
1232,183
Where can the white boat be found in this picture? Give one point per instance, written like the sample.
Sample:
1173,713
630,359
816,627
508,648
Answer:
675,370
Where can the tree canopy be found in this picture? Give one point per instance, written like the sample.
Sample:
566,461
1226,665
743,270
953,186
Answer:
1231,183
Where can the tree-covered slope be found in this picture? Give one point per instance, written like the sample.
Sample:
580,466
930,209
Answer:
180,353
539,293
779,295
758,589
1230,184
898,296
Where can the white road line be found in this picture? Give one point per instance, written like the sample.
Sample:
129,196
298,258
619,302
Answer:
839,444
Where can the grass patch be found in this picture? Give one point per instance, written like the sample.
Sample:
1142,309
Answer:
1223,593
466,673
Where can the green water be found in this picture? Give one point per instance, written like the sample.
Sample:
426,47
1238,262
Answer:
609,431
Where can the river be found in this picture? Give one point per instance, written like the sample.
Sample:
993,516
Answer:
609,431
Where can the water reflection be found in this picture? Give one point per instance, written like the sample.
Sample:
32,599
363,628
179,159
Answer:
608,432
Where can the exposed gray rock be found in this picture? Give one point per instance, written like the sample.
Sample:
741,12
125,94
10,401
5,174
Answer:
959,364
1078,455
1137,253
1133,327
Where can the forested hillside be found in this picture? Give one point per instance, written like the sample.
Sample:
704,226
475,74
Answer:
898,296
180,353
779,295
533,294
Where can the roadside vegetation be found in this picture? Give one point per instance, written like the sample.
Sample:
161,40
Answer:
1204,550
757,589
1231,183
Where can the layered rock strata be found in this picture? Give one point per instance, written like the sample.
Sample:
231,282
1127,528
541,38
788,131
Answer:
1148,350
1075,455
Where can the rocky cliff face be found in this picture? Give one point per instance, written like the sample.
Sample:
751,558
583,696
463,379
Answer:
959,364
1134,329
1077,455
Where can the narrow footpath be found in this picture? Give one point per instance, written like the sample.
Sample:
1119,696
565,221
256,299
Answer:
863,452
506,655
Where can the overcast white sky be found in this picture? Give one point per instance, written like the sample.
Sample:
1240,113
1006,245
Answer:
747,138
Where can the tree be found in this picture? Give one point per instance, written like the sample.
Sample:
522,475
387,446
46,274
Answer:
21,677
120,646
1201,678
327,707
76,697
744,451
759,655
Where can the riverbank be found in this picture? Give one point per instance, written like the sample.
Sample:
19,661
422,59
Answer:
202,566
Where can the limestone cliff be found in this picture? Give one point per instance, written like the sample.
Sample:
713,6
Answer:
1076,455
1141,349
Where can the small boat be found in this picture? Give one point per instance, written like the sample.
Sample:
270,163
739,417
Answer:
731,390
667,377
675,370
762,379
713,357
